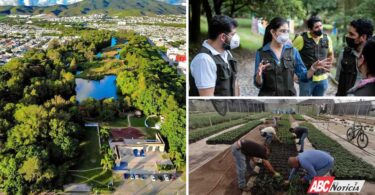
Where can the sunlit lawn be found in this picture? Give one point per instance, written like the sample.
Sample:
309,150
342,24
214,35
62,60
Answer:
249,39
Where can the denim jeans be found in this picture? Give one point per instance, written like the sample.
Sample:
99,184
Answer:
311,88
242,165
304,88
302,140
269,137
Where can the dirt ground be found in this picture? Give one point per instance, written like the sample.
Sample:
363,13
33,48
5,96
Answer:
200,152
218,176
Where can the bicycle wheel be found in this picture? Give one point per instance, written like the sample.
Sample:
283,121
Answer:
362,140
350,134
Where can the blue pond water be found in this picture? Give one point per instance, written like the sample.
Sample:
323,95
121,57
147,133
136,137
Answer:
99,55
113,42
105,88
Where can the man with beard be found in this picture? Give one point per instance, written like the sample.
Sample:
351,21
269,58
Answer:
213,70
359,31
314,46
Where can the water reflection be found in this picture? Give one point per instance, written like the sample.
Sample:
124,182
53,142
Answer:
105,88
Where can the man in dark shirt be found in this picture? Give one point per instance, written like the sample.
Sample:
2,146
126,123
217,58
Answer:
301,134
243,151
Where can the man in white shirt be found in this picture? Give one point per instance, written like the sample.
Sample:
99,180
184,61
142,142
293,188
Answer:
269,133
213,70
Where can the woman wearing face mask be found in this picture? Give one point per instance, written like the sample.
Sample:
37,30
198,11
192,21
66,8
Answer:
277,62
366,66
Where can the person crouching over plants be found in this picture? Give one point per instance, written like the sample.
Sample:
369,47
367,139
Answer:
315,162
275,122
301,133
269,133
243,151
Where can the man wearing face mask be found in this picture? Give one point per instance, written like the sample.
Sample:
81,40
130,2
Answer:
347,74
366,66
213,70
314,46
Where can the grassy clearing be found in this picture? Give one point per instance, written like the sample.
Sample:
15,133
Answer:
89,150
137,122
101,68
118,122
88,168
249,40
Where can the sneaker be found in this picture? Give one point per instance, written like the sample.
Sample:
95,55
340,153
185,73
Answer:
245,189
300,151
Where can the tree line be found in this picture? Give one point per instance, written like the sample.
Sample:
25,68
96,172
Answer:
39,118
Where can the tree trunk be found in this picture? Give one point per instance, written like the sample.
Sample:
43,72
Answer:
194,22
232,8
217,6
207,10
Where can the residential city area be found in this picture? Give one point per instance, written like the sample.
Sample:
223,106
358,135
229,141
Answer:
166,32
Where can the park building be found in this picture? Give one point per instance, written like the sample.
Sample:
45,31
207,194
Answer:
136,154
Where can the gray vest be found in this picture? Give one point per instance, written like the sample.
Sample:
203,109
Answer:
225,78
348,73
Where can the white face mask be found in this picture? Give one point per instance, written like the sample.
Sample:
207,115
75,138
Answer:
234,42
283,38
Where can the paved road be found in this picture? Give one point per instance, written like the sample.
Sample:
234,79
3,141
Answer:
140,187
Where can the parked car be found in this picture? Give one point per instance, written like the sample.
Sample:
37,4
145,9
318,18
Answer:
144,176
137,176
153,178
166,177
126,175
132,176
174,177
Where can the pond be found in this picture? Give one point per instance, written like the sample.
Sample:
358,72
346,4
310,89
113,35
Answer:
105,88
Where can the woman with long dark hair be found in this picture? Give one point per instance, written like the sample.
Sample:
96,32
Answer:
277,62
366,66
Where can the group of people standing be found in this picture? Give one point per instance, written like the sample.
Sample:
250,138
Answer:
280,62
314,162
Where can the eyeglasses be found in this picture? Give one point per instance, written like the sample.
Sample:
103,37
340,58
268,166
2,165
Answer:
284,30
230,36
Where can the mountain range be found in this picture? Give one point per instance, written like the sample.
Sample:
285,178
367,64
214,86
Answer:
36,2
85,7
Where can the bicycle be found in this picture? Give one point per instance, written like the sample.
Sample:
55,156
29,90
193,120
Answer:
357,132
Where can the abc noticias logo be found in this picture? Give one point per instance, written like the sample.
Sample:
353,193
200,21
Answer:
328,184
